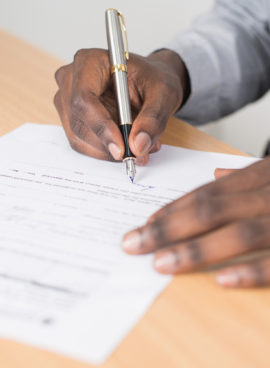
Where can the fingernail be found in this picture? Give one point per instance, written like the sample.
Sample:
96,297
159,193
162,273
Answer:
165,262
132,242
115,151
228,279
143,143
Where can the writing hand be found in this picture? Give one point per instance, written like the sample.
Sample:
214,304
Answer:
218,221
87,106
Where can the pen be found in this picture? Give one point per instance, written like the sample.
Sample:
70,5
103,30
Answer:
116,28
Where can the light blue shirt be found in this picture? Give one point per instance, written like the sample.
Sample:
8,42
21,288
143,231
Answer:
227,54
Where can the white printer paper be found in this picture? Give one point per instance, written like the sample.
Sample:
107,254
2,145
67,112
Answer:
65,284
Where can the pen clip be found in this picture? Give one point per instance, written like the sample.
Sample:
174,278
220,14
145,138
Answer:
124,30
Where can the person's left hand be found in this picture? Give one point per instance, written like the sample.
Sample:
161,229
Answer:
220,220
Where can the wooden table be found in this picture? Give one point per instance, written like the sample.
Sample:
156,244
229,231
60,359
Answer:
194,323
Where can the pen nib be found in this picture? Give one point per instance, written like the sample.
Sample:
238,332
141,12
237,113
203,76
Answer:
131,169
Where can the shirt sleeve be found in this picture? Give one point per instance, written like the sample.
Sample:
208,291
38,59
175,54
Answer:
227,55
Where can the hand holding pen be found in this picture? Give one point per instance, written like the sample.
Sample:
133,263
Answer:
88,108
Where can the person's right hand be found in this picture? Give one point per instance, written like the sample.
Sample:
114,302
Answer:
87,106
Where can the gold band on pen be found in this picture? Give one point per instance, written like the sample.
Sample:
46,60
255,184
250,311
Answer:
119,68
126,123
129,158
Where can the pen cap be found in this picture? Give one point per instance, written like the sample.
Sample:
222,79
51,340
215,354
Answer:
115,37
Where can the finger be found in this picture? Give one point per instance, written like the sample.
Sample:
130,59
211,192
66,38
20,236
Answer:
198,218
229,241
219,173
97,118
252,274
76,129
84,134
142,160
151,120
80,137
76,143
91,78
156,147
254,176
61,74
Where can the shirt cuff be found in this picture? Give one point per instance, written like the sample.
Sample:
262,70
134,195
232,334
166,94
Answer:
201,62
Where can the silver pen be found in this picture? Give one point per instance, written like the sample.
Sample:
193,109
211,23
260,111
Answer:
116,28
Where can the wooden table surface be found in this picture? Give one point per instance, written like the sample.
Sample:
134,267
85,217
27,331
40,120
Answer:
194,323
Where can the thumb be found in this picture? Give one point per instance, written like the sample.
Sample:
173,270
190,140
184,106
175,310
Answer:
149,125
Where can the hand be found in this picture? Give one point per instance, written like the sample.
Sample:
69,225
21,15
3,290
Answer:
220,220
87,106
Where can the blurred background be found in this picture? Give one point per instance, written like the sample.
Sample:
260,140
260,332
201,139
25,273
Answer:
61,27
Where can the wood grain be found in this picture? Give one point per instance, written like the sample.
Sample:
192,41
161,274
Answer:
194,323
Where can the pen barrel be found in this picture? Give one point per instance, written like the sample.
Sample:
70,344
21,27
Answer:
115,37
125,130
122,94
119,71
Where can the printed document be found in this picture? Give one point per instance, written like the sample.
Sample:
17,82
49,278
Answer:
65,284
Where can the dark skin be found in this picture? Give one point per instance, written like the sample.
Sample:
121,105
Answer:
216,222
86,104
219,221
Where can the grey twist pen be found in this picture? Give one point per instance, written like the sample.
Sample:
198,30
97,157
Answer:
115,27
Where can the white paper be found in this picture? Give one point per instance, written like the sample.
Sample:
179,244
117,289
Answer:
65,284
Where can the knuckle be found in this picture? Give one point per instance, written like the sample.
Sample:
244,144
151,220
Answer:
59,74
157,231
80,54
77,105
99,128
208,211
